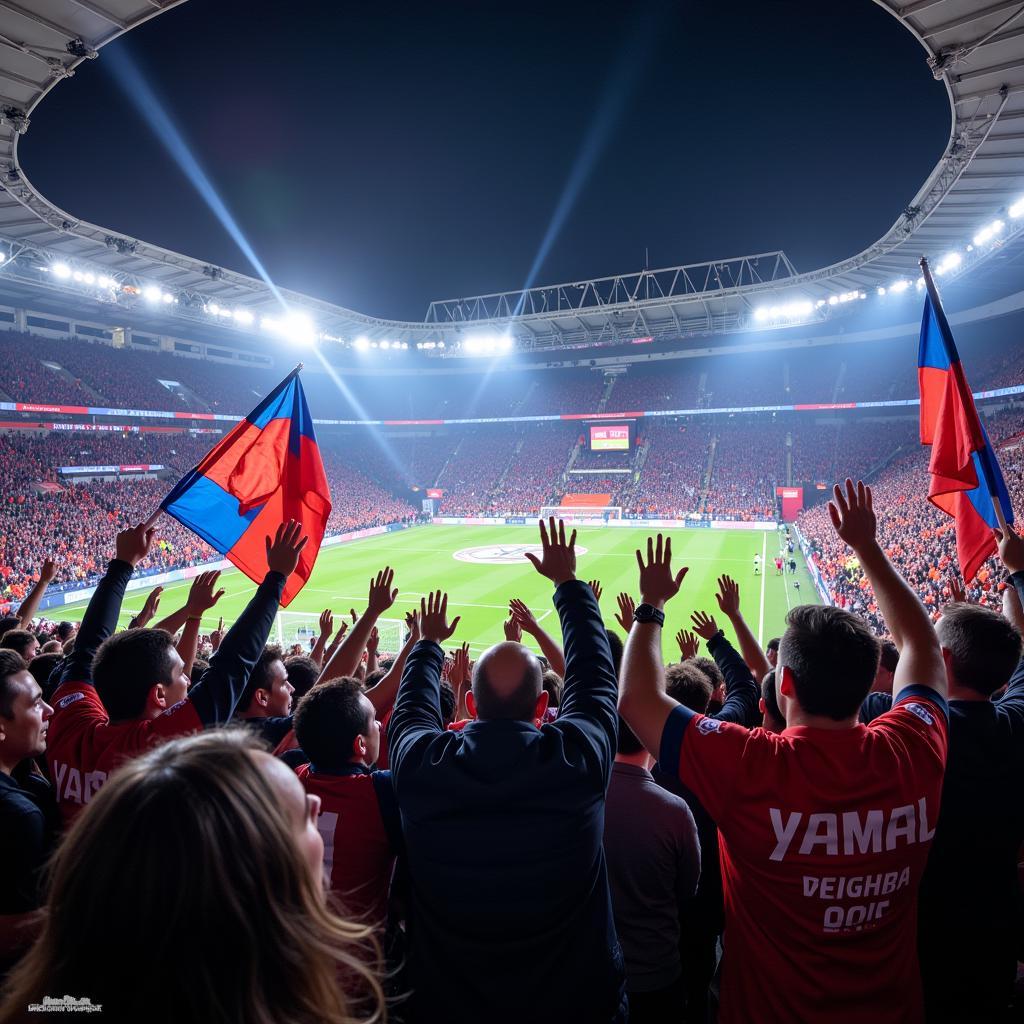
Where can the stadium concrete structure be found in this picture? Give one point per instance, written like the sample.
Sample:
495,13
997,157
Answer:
975,47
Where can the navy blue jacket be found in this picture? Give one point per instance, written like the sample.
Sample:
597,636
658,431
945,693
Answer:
510,914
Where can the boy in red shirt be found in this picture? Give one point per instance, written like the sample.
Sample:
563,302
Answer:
825,827
119,694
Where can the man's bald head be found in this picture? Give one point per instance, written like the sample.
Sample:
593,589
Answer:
507,681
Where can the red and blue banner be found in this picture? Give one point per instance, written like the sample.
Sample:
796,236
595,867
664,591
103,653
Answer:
266,471
965,474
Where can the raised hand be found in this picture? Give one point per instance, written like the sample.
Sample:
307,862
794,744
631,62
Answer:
283,552
382,597
704,625
957,590
1011,548
459,675
372,642
558,557
853,515
524,618
203,595
657,584
513,631
689,645
326,624
132,545
728,597
149,609
434,618
218,634
412,624
624,616
47,571
595,586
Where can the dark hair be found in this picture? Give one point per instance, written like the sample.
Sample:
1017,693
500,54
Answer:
447,703
710,669
41,667
9,622
773,644
328,720
688,685
770,697
833,656
519,705
17,640
615,643
127,666
551,681
64,630
890,656
627,743
303,672
258,676
374,677
985,647
199,666
11,663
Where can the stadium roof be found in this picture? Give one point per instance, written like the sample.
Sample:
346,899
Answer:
976,47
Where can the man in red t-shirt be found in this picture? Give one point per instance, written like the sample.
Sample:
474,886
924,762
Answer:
337,728
121,693
825,827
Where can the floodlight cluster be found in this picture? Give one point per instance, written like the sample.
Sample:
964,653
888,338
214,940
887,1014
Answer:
487,344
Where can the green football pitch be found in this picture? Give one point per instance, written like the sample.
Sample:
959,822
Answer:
482,567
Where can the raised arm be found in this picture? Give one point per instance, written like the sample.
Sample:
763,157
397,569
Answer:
417,715
326,629
195,604
729,604
529,623
215,695
643,702
853,518
29,607
742,694
382,696
1011,554
202,597
589,687
346,659
100,619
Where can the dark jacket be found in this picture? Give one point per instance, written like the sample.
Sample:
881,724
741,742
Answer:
510,914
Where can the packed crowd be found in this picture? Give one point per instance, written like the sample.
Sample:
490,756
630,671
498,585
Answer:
92,372
602,834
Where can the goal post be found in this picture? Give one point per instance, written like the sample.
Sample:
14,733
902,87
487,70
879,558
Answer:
304,627
582,513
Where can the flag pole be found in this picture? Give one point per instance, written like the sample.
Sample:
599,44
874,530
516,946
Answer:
952,353
151,521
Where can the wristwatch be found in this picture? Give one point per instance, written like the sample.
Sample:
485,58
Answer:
648,613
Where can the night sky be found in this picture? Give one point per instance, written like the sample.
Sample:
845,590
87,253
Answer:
383,155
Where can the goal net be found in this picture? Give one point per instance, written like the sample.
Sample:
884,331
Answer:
582,513
304,627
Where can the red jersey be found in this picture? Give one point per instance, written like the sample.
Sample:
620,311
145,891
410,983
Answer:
824,838
82,746
359,823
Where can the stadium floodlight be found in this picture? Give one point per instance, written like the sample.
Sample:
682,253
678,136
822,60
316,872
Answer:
881,290
1017,209
949,262
78,276
151,293
385,344
105,282
833,300
361,344
213,309
819,304
920,283
487,344
61,270
3,257
89,278
899,286
167,298
761,313
244,317
988,232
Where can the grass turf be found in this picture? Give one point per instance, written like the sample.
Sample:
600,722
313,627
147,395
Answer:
427,558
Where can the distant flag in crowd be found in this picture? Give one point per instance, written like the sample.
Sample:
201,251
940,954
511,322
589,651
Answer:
965,475
266,471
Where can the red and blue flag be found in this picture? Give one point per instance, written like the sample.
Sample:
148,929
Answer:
965,474
266,471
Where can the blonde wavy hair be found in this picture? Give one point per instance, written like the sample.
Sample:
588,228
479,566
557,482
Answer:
180,895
